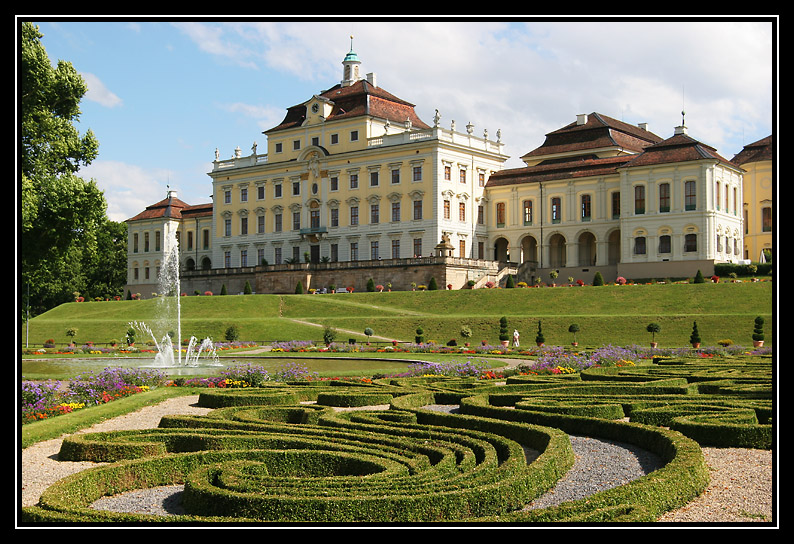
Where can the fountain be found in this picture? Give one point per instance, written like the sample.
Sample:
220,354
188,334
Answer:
197,353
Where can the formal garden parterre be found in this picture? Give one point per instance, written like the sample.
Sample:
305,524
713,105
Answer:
274,449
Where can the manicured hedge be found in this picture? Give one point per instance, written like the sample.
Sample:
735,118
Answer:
286,453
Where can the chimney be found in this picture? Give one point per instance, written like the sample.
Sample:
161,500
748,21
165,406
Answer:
643,126
371,79
581,119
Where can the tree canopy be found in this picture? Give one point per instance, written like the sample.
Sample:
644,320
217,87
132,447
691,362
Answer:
62,216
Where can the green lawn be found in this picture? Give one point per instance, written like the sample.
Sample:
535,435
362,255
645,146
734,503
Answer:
606,315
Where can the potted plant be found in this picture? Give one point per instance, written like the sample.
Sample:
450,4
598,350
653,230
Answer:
369,332
503,337
653,328
420,335
758,332
694,338
465,332
539,338
553,275
574,328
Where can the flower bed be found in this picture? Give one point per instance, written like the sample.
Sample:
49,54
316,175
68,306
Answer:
43,400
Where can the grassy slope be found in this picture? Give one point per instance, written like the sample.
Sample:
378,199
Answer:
606,315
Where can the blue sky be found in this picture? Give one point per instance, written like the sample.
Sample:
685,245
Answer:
163,94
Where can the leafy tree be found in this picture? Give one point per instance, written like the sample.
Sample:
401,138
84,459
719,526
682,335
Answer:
60,214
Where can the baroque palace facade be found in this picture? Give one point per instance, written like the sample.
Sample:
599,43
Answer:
355,186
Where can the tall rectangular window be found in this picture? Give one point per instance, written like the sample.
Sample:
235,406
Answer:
690,196
395,211
556,210
616,205
354,251
446,209
501,214
374,214
277,226
586,208
639,199
664,197
462,211
395,249
417,209
527,205
354,215
417,247
334,217
296,220
374,250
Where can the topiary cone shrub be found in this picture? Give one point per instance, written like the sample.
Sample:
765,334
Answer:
758,332
540,339
694,338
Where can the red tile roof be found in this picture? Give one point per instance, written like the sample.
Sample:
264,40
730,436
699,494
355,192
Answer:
174,208
574,167
600,131
678,148
754,152
361,98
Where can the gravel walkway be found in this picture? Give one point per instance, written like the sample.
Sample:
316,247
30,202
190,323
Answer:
741,487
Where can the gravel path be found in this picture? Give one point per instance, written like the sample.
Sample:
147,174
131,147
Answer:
741,487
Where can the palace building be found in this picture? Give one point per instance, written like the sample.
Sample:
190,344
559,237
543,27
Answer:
354,185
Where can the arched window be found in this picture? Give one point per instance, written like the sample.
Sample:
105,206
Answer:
690,242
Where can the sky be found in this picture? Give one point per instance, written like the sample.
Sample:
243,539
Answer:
163,93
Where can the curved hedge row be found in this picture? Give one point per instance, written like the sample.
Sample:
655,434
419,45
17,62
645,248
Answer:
288,454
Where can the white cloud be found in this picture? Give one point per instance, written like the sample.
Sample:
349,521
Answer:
97,92
128,188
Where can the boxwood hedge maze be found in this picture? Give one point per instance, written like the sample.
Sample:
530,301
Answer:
284,452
